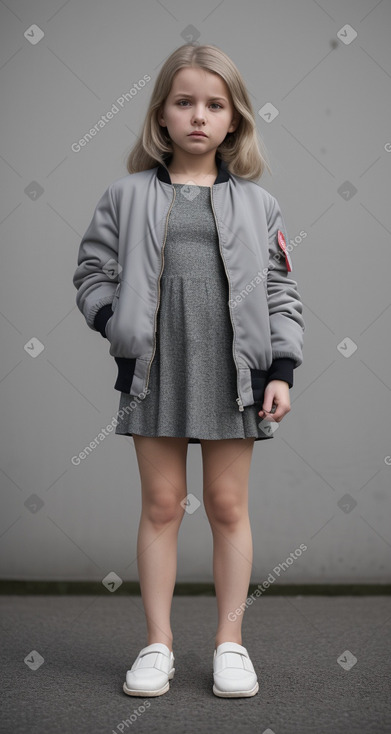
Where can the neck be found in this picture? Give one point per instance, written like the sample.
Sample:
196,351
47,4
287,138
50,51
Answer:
192,166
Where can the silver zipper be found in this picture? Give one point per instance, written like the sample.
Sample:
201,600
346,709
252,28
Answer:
158,300
238,399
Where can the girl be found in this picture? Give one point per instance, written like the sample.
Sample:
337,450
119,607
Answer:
184,268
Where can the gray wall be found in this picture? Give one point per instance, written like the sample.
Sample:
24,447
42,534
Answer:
324,480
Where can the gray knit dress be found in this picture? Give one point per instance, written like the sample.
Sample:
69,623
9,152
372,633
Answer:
193,383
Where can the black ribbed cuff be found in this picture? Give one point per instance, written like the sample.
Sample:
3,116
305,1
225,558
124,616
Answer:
282,369
102,318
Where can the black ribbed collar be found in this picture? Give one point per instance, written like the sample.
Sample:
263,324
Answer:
222,171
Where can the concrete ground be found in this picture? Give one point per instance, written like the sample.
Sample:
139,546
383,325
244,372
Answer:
323,666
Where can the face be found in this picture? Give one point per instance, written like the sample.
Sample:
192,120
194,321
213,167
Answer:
198,100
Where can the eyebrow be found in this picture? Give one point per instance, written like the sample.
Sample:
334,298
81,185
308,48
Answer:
184,94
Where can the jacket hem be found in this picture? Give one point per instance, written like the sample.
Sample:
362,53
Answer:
126,367
280,369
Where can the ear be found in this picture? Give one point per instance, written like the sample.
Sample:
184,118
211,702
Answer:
235,122
160,117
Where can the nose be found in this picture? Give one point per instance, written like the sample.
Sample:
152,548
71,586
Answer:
199,116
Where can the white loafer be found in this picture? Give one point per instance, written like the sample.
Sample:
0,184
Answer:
233,671
150,672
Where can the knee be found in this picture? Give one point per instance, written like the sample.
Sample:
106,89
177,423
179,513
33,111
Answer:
163,507
222,505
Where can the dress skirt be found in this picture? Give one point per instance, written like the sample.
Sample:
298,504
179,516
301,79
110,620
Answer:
193,378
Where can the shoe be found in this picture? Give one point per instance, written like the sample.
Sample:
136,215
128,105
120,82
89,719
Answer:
233,672
150,672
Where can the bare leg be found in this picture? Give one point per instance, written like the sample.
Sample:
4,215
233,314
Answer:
162,466
226,468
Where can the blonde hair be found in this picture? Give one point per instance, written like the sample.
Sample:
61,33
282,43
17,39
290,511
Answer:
242,150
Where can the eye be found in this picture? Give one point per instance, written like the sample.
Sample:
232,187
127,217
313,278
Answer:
187,101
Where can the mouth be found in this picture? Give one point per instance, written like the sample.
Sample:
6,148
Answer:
198,135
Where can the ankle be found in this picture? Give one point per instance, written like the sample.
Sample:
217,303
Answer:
166,642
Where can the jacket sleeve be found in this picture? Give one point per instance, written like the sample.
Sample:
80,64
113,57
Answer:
96,276
285,308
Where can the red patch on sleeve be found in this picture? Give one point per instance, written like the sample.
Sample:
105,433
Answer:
282,243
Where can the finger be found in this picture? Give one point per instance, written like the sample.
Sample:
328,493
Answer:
267,409
280,413
277,413
268,403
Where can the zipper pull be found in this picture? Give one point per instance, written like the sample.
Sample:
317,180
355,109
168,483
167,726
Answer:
239,402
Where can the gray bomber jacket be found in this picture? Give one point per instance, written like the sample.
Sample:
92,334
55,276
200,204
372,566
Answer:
121,260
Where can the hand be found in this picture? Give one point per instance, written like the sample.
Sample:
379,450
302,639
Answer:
276,398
